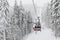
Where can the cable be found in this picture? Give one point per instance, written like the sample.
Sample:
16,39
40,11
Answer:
34,7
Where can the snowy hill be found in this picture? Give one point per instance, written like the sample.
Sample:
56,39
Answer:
45,34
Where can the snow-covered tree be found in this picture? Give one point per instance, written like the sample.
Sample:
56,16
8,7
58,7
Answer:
15,27
3,15
16,30
55,15
29,21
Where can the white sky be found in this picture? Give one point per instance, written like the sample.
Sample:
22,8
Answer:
38,2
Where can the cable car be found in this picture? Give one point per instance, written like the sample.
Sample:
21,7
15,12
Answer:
37,26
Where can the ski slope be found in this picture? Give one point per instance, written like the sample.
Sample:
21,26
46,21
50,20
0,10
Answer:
45,34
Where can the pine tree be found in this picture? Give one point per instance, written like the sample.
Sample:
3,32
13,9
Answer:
55,15
3,12
29,22
16,21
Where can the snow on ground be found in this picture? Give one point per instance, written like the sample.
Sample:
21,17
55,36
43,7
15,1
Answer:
45,34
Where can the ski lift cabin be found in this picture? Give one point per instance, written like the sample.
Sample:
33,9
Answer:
37,26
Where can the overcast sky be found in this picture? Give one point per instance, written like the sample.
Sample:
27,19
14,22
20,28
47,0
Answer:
37,2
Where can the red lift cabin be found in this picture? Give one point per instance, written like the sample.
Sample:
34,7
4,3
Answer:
37,26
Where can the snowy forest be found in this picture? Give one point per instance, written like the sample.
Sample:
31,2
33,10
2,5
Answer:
51,16
15,23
